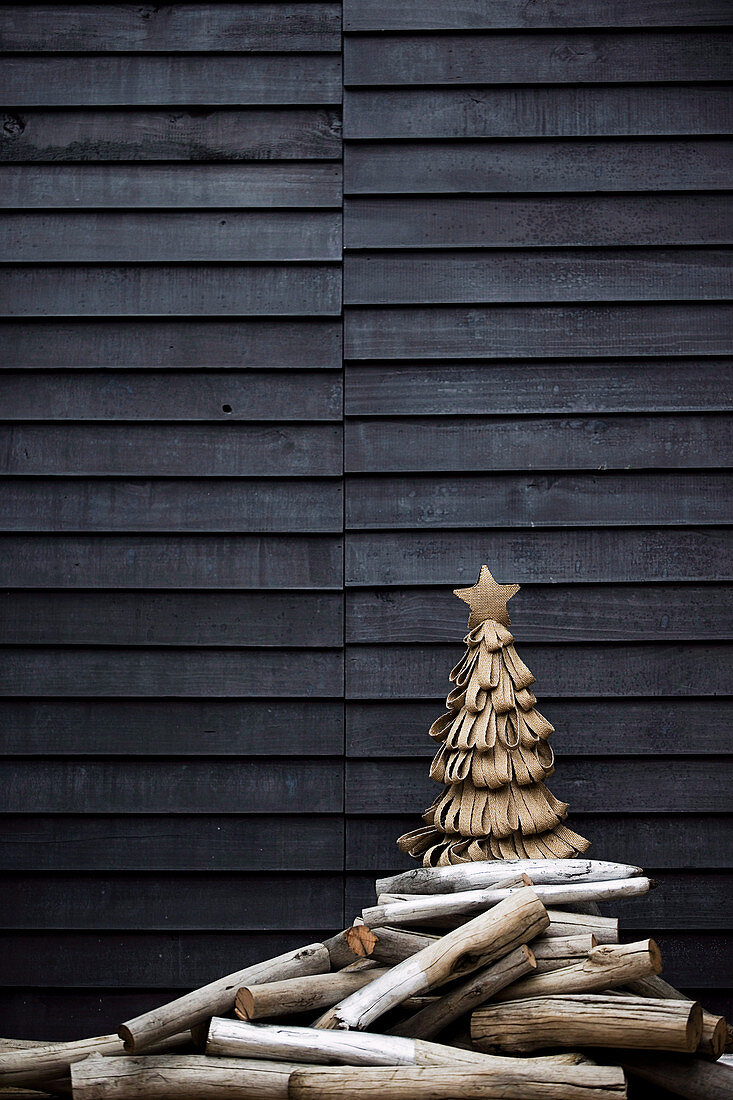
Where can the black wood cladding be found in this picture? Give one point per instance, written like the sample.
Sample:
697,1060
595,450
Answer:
226,551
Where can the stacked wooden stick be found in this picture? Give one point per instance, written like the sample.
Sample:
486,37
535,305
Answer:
510,966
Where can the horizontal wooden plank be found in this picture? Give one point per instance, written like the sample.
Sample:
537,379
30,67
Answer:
161,901
117,134
171,504
161,960
652,785
208,673
108,617
503,443
551,386
585,727
170,395
226,290
531,275
559,111
681,328
673,842
54,186
171,27
152,344
180,842
172,727
567,56
172,450
145,80
170,236
170,561
691,164
509,221
565,555
545,613
160,787
604,669
368,15
641,498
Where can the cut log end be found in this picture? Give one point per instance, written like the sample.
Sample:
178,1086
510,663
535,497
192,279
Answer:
361,940
128,1039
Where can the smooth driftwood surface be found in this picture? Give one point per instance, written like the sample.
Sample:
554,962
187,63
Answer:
468,995
692,1078
394,945
714,1028
180,1077
38,1065
508,1082
563,947
606,967
350,945
295,995
474,945
588,1020
209,1000
431,907
564,924
479,876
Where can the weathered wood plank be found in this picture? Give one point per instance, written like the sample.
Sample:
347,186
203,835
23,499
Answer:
533,275
172,727
423,444
607,669
495,387
580,556
146,343
144,80
676,842
219,903
201,842
514,221
589,785
559,111
545,613
567,56
171,395
549,166
681,328
170,561
106,617
172,450
201,186
118,134
368,15
170,236
171,290
200,673
517,500
171,27
164,787
585,727
171,504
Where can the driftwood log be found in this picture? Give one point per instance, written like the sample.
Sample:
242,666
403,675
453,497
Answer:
180,1077
714,1028
605,967
517,919
430,1021
479,875
217,997
394,945
692,1078
296,995
354,943
564,923
588,1020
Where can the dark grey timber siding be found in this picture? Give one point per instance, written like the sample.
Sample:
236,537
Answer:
237,489
538,355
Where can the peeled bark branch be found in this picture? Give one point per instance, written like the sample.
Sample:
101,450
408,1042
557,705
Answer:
480,875
394,945
162,1077
295,995
564,924
605,967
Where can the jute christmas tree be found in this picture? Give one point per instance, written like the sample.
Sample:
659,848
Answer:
494,754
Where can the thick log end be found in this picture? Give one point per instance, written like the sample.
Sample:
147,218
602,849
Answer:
655,956
128,1039
244,1004
361,940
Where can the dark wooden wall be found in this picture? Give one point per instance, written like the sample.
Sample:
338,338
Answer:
200,543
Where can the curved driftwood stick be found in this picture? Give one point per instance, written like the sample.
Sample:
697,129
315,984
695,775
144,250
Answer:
295,995
474,945
564,924
605,967
508,1082
714,1028
198,1006
480,875
581,1020
467,996
181,1077
692,1078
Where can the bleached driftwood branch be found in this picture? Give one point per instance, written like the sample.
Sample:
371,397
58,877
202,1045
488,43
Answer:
481,875
296,995
181,1077
714,1028
605,967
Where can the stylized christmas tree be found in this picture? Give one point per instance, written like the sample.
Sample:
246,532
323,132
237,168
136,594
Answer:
494,754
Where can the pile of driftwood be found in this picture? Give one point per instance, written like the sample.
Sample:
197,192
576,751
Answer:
476,980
